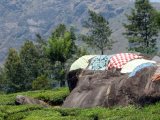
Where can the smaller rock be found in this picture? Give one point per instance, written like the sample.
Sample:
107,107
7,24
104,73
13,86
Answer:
22,100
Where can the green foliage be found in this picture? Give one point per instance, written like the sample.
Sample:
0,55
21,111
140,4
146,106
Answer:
17,112
41,41
3,80
41,82
21,69
35,63
13,70
47,114
32,112
44,64
29,56
59,31
58,48
99,32
81,52
9,111
61,47
73,39
157,14
142,29
53,97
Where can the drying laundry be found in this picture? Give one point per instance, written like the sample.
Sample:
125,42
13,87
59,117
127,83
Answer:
82,62
131,65
140,67
99,62
119,60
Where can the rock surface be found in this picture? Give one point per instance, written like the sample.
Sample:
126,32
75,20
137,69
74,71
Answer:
107,89
22,100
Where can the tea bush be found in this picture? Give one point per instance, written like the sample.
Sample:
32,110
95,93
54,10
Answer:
53,97
9,111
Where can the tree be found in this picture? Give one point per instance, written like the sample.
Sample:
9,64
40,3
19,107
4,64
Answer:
60,48
158,18
41,41
41,83
29,57
141,31
59,31
73,48
13,70
44,63
35,62
3,80
99,32
20,70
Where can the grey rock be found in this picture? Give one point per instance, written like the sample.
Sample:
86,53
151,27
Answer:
108,89
23,100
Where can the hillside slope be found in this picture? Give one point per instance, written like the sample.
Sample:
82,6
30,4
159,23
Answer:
21,19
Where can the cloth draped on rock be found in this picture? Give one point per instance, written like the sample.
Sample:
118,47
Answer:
119,60
133,64
140,67
156,75
99,62
82,62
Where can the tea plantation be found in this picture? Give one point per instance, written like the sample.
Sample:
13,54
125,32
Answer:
10,111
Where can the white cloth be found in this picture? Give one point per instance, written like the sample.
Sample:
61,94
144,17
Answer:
131,65
82,62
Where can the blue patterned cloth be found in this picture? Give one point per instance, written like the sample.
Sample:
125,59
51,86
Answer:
99,62
138,68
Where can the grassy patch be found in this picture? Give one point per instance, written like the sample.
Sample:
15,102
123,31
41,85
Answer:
53,97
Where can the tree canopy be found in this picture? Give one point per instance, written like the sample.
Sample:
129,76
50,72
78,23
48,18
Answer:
99,32
142,30
14,72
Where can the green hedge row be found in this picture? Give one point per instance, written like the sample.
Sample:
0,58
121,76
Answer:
31,112
53,97
9,111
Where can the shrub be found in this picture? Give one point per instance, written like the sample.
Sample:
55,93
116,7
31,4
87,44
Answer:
9,111
41,83
53,97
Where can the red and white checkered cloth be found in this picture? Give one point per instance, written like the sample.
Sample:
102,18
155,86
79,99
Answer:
119,60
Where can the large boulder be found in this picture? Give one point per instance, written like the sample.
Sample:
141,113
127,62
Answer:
110,88
72,78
